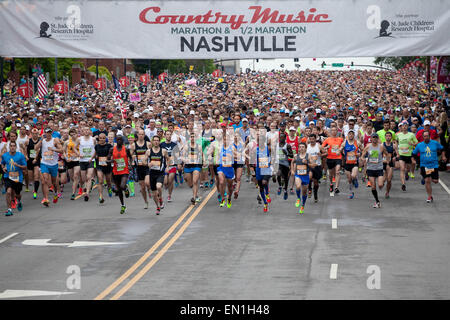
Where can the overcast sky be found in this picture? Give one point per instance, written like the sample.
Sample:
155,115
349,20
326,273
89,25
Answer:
305,63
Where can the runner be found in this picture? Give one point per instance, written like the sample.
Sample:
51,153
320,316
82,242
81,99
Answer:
300,170
238,163
33,160
192,166
350,151
49,148
86,145
225,171
138,150
71,155
406,144
315,153
388,166
263,169
158,158
173,151
375,152
334,159
104,169
429,163
13,164
285,156
120,156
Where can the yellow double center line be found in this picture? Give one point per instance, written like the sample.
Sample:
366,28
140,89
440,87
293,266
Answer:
158,256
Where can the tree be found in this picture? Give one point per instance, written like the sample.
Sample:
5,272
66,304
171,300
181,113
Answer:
102,71
174,66
398,62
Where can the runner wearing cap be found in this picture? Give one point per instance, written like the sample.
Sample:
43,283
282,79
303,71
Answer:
350,150
22,140
104,169
285,156
300,168
49,148
71,154
173,153
120,157
334,159
86,146
33,160
263,168
406,144
192,158
429,163
13,164
225,171
315,153
138,151
388,165
157,162
375,152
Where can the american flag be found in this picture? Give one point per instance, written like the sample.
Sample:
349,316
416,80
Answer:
42,86
118,95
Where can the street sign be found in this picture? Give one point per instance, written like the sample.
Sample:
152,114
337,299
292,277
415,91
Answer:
337,65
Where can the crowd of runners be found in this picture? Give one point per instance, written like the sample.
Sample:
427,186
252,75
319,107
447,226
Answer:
296,130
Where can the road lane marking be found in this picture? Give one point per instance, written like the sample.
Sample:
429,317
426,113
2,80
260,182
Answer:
444,186
333,223
333,271
45,243
8,237
163,250
9,294
133,268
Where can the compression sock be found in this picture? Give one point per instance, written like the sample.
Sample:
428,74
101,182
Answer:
375,195
298,193
304,200
36,186
316,189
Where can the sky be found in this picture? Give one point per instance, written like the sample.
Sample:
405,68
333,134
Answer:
305,63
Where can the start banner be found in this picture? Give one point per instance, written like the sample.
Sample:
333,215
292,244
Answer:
224,29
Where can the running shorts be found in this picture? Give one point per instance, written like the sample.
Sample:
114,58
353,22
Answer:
431,172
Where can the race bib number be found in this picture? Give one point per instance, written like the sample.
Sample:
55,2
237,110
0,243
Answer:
141,159
192,158
32,154
281,155
429,171
404,149
86,153
102,161
335,149
301,169
155,164
14,176
227,161
351,157
48,155
264,162
373,157
120,164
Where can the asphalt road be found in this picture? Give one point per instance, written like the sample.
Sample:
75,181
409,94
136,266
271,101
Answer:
207,252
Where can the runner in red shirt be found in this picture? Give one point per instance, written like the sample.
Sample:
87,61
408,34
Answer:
120,157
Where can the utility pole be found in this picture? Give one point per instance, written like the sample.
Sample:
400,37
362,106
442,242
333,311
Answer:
56,70
96,69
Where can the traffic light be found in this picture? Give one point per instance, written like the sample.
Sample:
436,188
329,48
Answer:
295,59
323,64
351,63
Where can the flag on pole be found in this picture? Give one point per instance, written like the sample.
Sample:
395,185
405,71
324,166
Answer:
42,86
118,96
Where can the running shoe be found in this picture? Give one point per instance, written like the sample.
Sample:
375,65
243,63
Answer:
355,183
55,198
219,197
352,195
279,190
80,191
268,198
302,209
331,188
266,207
193,201
297,203
336,191
52,188
34,195
146,205
132,194
176,184
86,198
309,193
377,205
324,177
169,199
127,193
331,194
368,184
430,199
8,213
316,200
13,204
110,192
422,181
123,209
211,182
27,190
259,199
206,185
291,191
285,195
403,187
198,199
360,169
101,200
45,202
412,175
161,204
19,206
222,203
229,203
158,211
201,186
387,196
72,197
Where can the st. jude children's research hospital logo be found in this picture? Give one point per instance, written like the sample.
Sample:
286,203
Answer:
398,25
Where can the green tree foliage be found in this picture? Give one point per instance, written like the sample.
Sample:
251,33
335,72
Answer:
397,62
102,71
24,66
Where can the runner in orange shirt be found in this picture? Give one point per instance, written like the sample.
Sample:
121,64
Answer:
334,159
